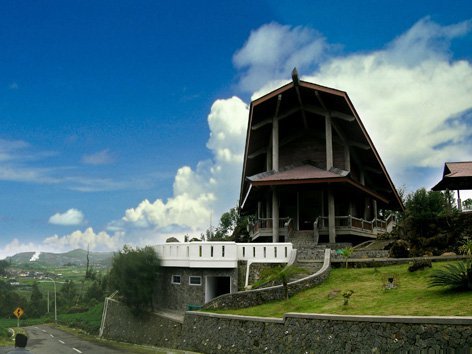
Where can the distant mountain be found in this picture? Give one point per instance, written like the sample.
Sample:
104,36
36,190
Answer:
76,257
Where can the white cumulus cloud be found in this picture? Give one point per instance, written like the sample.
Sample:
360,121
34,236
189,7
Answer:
212,187
70,217
273,50
101,241
413,98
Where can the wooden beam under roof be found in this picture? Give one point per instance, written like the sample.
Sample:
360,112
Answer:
279,117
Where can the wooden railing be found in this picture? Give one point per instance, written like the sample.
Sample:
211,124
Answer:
351,222
263,226
285,226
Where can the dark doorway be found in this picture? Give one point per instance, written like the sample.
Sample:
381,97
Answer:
216,286
309,208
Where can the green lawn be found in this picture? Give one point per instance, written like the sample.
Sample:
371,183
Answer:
411,297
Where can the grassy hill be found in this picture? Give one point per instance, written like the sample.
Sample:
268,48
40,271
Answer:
76,257
411,296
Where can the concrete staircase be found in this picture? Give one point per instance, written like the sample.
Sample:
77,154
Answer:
309,255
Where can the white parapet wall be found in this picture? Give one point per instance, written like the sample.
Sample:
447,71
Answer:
221,254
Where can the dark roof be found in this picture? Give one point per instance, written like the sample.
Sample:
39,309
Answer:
456,176
316,101
306,172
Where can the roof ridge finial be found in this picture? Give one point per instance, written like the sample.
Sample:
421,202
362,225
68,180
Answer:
295,78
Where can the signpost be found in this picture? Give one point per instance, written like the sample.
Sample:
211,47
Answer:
18,313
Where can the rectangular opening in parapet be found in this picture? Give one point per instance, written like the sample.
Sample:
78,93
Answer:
216,286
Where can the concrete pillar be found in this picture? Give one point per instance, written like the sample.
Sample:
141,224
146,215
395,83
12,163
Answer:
269,156
374,205
275,144
331,218
362,177
459,202
329,164
275,215
329,142
347,158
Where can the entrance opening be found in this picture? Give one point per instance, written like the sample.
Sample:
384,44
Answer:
216,286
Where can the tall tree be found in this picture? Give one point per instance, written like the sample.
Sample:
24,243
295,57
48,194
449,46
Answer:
3,267
36,307
68,293
134,275
232,227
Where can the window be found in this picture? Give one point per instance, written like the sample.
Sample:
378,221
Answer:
194,280
176,279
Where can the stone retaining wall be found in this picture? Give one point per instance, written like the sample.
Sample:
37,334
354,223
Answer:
120,324
307,333
294,333
255,297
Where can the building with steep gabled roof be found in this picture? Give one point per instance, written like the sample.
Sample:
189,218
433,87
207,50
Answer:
310,165
456,176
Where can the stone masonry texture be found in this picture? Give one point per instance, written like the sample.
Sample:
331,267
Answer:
295,333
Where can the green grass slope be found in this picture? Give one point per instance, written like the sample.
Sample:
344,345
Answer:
411,296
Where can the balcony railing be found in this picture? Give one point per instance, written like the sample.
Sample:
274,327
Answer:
263,227
345,223
221,254
351,224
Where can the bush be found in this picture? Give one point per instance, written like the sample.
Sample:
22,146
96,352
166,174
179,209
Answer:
420,265
400,249
457,276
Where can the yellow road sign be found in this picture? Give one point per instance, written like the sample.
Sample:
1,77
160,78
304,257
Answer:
18,312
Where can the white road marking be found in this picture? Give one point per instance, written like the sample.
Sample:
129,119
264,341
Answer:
77,350
61,341
43,330
36,327
52,336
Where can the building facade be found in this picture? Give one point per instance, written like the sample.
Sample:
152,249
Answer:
309,164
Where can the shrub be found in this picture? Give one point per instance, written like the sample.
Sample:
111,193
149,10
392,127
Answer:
420,265
400,249
457,276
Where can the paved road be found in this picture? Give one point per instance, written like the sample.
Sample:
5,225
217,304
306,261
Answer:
43,339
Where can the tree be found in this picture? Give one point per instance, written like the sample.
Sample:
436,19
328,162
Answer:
280,274
467,204
232,227
36,303
346,253
68,293
134,275
3,266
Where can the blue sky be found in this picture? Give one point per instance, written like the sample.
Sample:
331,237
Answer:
124,121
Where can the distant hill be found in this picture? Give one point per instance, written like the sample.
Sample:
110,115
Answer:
76,257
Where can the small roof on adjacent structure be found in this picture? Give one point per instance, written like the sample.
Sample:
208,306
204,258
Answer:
456,176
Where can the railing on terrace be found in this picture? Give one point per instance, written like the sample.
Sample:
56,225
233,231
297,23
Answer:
351,222
263,227
221,254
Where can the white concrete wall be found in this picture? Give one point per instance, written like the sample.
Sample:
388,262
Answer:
221,254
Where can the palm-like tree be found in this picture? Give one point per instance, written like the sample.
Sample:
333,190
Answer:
279,274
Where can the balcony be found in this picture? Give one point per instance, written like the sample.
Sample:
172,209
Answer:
349,225
263,228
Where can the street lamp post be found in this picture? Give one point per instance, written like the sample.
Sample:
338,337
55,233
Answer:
55,302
